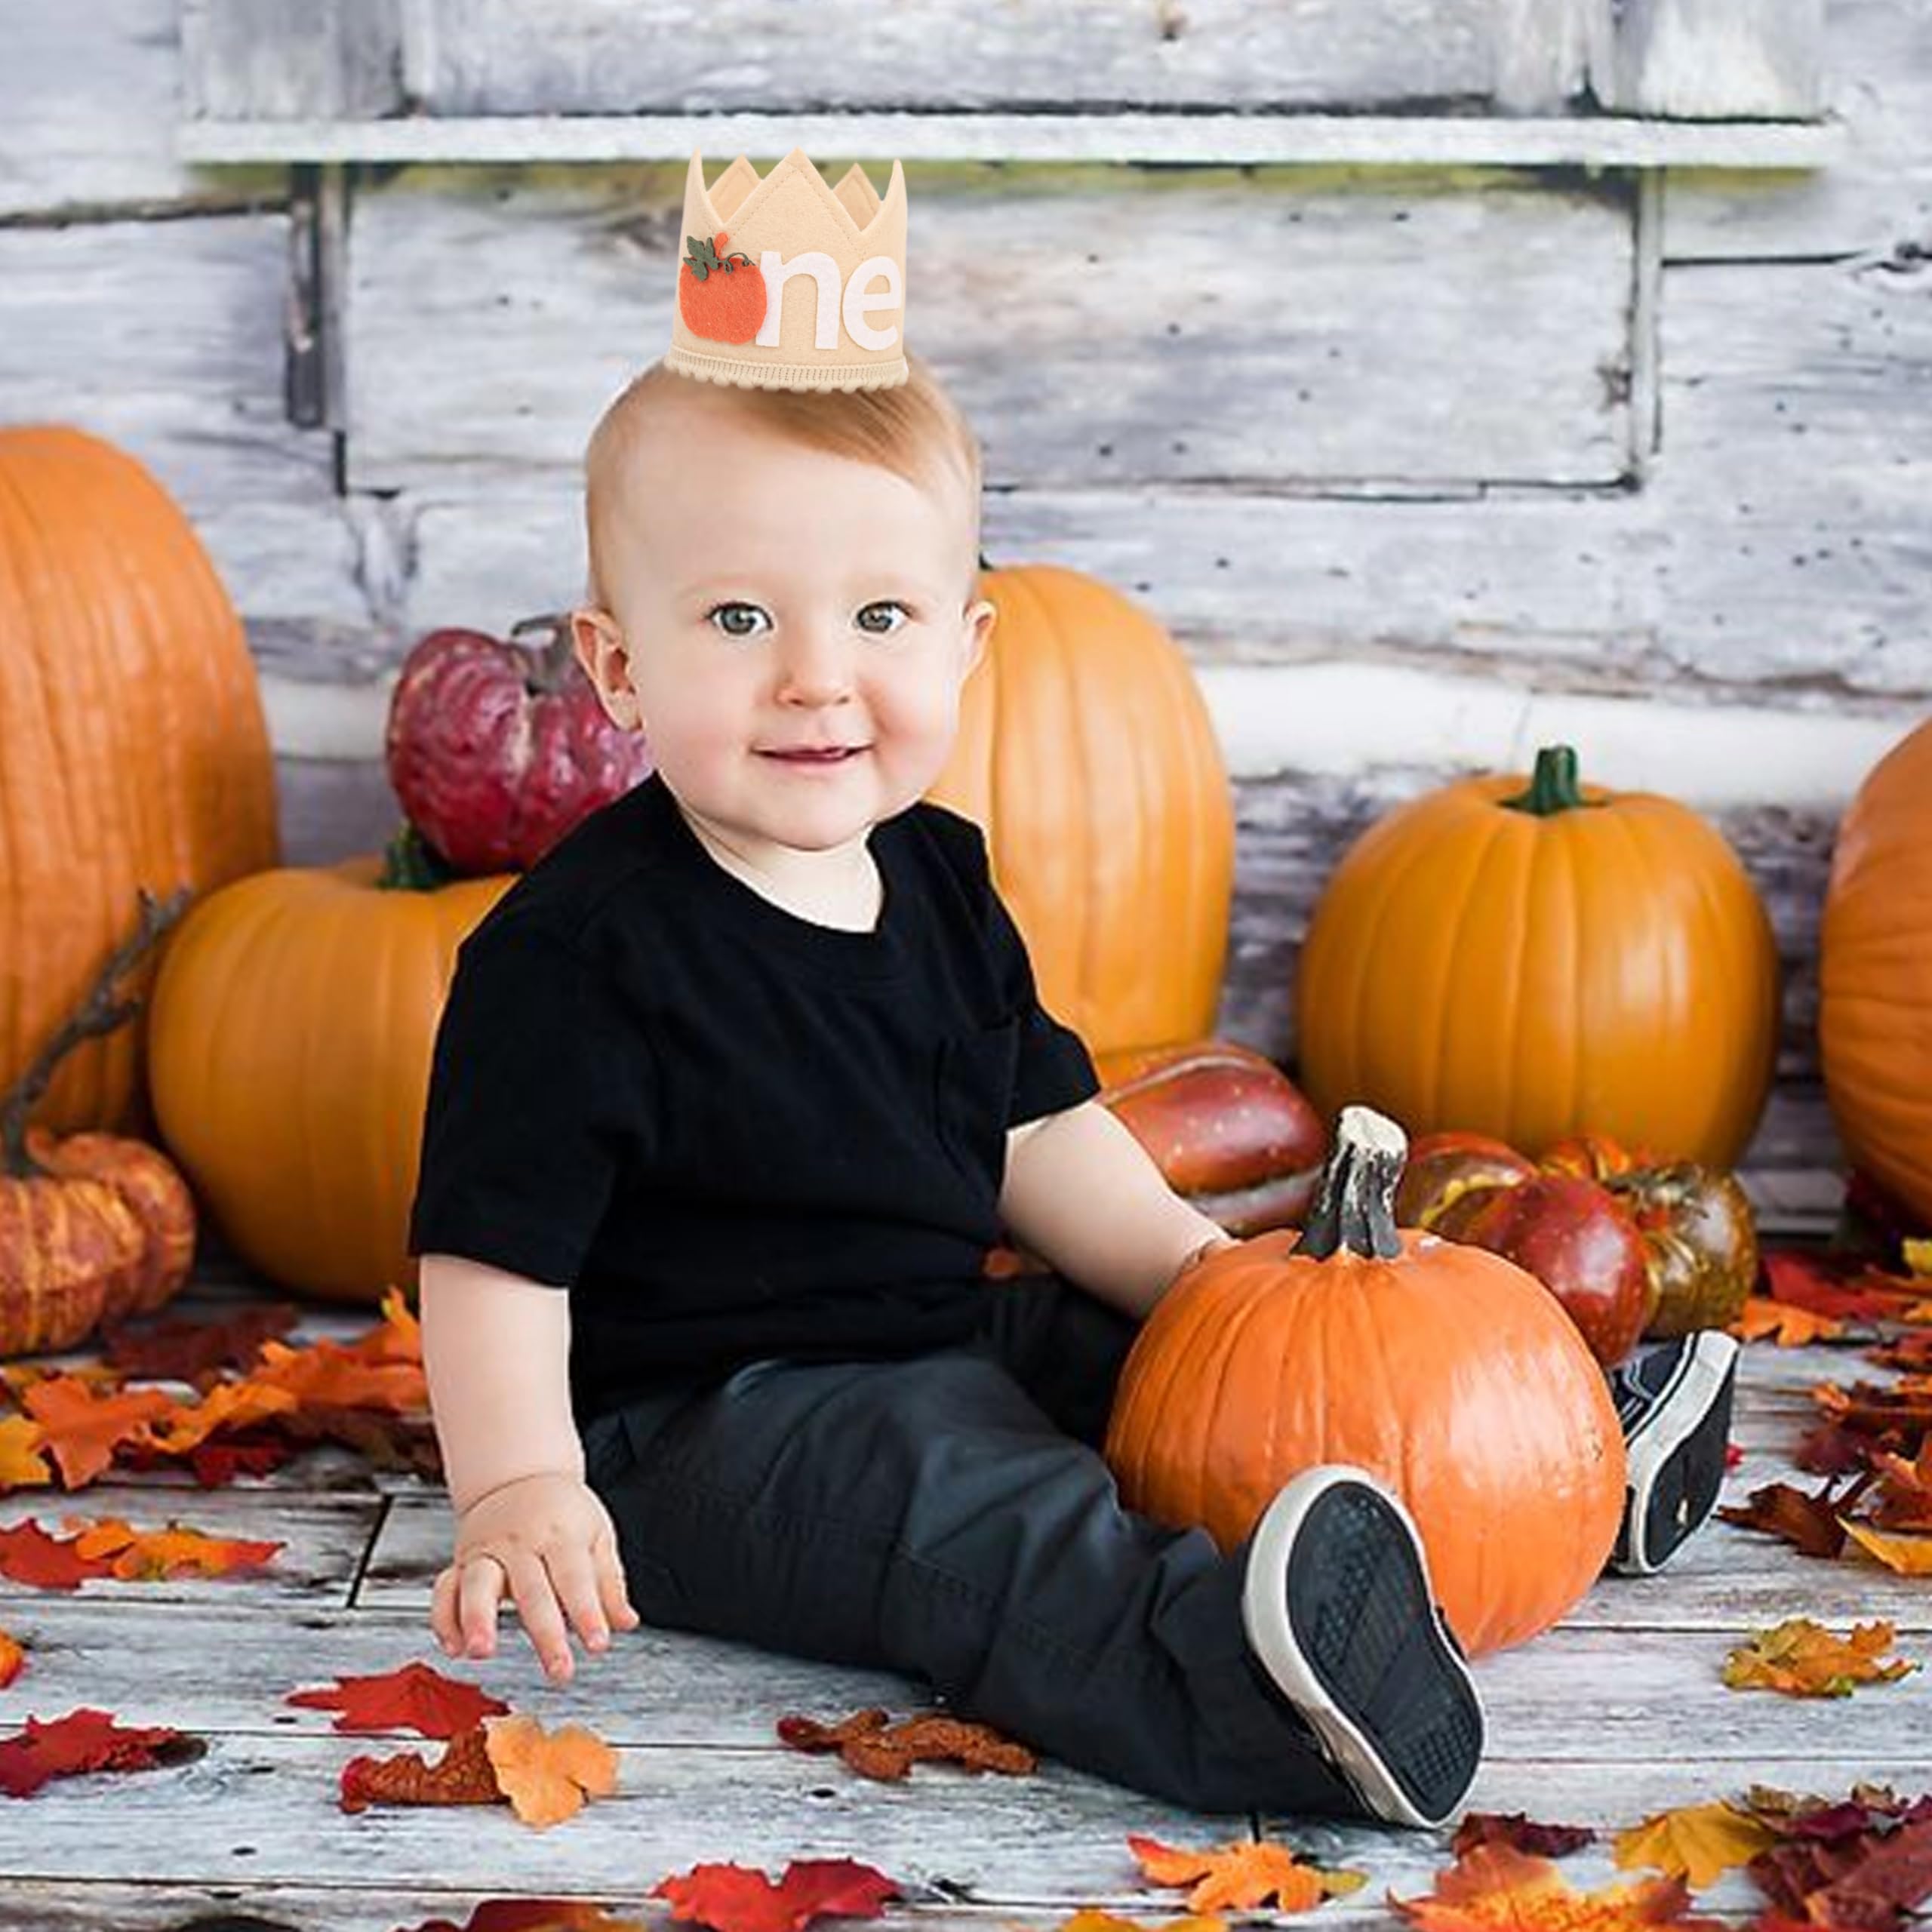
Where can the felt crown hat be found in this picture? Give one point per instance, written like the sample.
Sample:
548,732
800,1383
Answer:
786,283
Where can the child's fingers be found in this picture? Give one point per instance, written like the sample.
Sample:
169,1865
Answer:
575,1583
479,1589
442,1611
611,1586
537,1604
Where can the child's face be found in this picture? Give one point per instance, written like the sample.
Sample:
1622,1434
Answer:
761,598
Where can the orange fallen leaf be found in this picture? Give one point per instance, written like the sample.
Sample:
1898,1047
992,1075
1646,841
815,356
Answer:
463,1775
149,1555
84,1429
1696,1842
1785,1323
397,1337
1910,1556
1803,1659
1090,1918
229,1405
325,1374
1240,1876
22,1465
1497,1889
1904,1501
547,1776
12,1655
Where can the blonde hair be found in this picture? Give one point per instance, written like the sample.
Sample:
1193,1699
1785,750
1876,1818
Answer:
916,430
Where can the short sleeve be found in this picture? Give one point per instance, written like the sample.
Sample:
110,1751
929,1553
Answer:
1055,1070
538,1098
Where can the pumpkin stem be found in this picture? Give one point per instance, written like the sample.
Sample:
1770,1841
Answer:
1553,785
411,864
98,1015
557,659
1356,1208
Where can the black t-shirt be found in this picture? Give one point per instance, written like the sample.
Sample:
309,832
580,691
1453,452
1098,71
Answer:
731,1132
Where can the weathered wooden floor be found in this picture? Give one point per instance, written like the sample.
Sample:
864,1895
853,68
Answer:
1618,1713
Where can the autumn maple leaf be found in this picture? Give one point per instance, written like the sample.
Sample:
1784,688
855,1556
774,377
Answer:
547,1776
1240,1876
149,1555
1802,1659
22,1465
1497,1889
28,1555
13,1657
532,1915
327,1375
229,1405
83,1429
414,1698
876,1748
1910,1556
731,1898
84,1741
1089,1919
463,1775
177,1351
1515,1829
1698,1843
1789,1326
1810,1524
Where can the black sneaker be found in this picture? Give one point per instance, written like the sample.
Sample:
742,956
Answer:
1673,1402
1337,1604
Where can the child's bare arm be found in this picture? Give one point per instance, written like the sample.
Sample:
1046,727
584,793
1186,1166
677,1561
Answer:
496,1348
1085,1195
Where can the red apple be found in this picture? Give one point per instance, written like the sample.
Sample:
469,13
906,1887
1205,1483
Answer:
496,750
1577,1239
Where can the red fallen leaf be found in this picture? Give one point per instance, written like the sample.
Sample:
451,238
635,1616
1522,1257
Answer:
463,1775
1734,1457
729,1898
176,1351
407,1444
414,1698
1515,1829
1855,1864
1845,1287
1829,1450
28,1555
84,1741
1905,1406
83,1429
532,1915
215,1464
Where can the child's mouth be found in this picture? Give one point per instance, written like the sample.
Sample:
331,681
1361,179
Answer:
836,754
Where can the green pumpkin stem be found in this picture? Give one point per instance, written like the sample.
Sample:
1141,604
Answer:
99,1014
1356,1208
411,864
1553,785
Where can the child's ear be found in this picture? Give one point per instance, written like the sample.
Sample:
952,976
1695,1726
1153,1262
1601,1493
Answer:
980,617
600,650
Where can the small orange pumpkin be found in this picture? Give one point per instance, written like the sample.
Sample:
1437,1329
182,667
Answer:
93,1228
294,1019
1874,976
1532,961
1445,1371
1086,753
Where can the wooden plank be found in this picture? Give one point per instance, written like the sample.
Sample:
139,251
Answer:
92,95
1875,195
1202,140
1711,59
493,318
484,58
325,1537
289,59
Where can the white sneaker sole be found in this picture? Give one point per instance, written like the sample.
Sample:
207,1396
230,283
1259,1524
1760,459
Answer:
1684,1408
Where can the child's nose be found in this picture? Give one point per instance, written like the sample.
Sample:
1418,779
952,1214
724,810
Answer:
815,666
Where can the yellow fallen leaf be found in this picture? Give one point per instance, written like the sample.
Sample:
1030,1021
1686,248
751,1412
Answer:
1910,1556
13,1655
1803,1659
22,1465
1090,1918
1918,1256
1698,1843
547,1776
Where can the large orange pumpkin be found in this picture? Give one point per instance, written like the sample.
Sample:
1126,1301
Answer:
293,1023
132,740
1874,1010
1445,1371
1533,960
1086,753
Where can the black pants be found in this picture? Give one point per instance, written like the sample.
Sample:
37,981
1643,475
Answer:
949,1517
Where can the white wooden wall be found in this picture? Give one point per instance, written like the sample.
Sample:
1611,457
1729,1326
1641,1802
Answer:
1424,467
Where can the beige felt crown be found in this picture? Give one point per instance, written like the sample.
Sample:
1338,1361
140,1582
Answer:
785,284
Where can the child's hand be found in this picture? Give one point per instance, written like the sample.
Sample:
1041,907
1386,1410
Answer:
547,1541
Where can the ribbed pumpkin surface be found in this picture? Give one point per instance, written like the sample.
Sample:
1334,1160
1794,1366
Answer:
133,747
1875,1016
293,1020
1608,969
1449,1373
1087,755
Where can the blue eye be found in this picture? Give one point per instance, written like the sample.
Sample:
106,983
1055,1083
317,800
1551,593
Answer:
889,604
726,610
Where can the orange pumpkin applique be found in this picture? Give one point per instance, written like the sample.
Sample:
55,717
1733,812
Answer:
720,293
